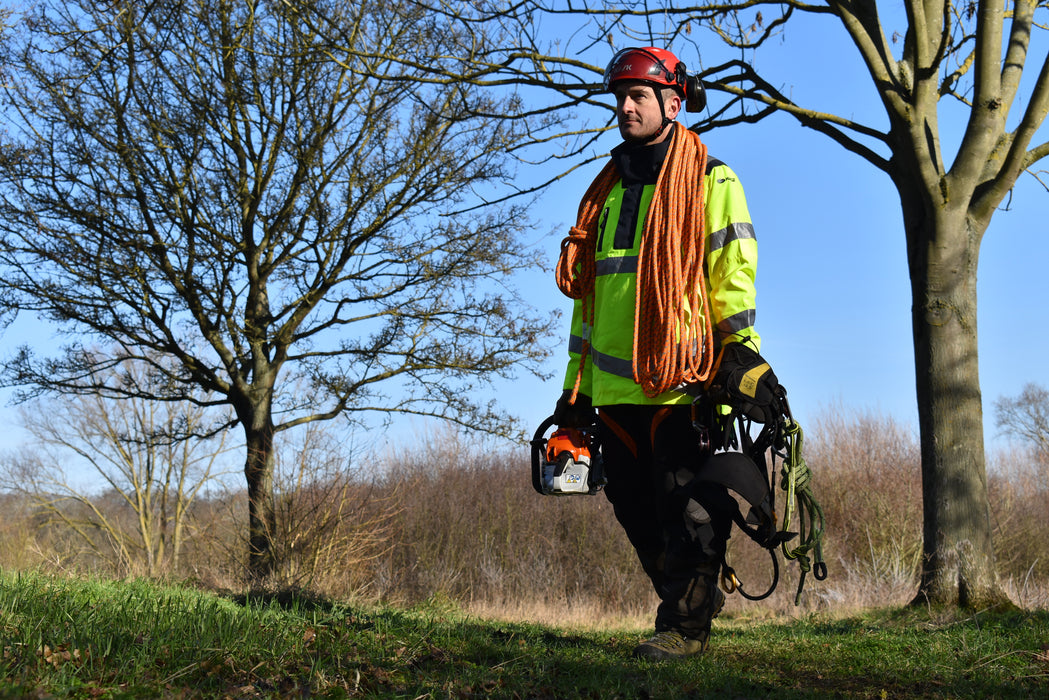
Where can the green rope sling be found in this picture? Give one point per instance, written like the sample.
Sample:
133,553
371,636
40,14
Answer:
796,480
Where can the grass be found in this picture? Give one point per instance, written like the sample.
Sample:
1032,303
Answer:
71,637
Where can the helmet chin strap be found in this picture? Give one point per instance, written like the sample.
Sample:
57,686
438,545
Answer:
663,124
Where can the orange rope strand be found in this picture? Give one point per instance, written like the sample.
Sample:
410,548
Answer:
673,338
575,266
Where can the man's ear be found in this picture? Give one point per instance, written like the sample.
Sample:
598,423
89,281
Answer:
672,106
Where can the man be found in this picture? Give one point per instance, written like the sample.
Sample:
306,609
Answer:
661,264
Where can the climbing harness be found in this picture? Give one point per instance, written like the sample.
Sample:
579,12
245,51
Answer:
747,466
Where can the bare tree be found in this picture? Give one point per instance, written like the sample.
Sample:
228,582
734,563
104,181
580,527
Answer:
1026,417
971,58
216,184
120,475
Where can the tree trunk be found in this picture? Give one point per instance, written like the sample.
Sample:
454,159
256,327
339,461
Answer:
258,470
958,567
257,419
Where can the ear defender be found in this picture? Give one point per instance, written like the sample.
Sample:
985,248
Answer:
692,86
695,94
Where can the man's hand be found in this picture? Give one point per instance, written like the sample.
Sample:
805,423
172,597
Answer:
578,415
746,382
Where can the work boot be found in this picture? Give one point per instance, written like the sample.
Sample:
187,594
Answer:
670,644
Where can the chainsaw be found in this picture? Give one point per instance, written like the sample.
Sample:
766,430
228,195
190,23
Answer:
568,462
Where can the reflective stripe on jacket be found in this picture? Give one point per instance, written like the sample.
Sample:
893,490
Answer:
731,263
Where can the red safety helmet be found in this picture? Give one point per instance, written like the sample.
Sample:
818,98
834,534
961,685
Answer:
648,64
658,68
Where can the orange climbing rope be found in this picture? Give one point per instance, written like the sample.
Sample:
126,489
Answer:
673,338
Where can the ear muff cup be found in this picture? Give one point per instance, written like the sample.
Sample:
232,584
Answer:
695,94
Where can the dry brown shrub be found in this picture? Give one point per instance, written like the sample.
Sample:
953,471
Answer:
453,518
18,542
472,528
331,522
215,552
1019,491
867,468
328,533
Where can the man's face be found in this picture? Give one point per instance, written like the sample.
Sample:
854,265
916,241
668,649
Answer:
638,111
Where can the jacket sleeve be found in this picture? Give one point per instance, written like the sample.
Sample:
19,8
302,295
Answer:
575,349
731,258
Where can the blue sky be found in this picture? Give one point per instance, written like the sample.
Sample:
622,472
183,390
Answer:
833,290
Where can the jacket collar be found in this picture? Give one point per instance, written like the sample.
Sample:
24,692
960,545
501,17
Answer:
640,164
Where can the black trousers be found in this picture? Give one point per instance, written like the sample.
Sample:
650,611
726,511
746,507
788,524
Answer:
651,455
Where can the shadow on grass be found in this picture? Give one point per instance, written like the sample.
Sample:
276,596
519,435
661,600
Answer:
290,599
883,655
433,649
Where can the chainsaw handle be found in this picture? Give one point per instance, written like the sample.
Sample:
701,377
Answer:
541,430
538,448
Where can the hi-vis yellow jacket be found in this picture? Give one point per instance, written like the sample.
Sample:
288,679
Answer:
731,264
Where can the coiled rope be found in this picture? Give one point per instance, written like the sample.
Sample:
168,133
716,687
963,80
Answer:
673,337
796,480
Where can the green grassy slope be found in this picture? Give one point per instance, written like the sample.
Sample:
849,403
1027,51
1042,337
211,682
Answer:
69,637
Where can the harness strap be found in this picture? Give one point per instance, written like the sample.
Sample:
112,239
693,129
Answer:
747,473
